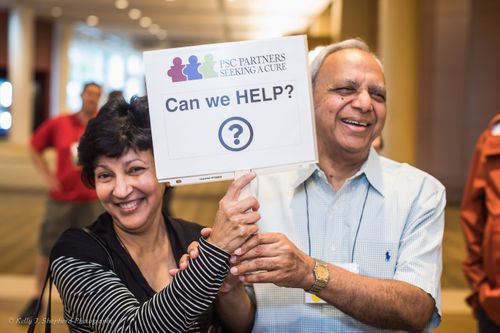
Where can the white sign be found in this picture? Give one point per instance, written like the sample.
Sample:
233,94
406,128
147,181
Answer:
221,108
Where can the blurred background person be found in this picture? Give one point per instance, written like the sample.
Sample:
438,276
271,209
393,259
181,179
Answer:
378,143
115,94
70,203
480,217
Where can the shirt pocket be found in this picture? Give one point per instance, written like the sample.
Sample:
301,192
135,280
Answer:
376,259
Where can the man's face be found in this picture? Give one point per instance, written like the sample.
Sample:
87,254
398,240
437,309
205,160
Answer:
90,98
349,100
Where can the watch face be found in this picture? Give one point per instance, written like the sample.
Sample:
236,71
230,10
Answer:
322,272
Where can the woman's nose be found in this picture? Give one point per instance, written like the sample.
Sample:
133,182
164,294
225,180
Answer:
122,187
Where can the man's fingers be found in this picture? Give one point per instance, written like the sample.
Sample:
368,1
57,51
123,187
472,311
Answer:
255,240
183,262
254,265
205,232
259,277
192,250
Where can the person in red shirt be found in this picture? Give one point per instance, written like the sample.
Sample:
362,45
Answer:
480,219
70,202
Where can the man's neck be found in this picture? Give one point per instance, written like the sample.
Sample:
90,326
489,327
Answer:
340,168
85,116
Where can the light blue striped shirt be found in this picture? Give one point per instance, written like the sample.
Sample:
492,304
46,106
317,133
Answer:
388,219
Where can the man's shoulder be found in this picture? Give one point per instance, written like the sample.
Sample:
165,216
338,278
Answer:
287,179
406,176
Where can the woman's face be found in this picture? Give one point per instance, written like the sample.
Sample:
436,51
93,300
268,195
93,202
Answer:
128,189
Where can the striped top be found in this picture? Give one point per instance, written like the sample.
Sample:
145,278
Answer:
96,299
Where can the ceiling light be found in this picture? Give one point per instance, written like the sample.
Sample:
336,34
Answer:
56,11
5,94
169,0
134,13
121,4
145,22
92,20
5,120
154,29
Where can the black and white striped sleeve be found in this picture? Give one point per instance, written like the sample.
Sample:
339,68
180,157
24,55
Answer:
95,298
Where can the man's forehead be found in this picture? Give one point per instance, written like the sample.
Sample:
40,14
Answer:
345,63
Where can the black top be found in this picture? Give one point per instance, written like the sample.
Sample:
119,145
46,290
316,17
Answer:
104,296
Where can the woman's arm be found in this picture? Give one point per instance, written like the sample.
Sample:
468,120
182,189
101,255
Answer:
95,297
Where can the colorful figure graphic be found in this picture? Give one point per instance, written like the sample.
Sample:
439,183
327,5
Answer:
175,71
207,68
191,70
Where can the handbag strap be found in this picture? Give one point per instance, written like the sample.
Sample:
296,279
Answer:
48,278
103,246
31,328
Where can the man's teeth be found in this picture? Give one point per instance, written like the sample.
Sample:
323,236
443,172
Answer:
354,122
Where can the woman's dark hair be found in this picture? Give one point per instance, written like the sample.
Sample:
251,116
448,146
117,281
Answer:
118,127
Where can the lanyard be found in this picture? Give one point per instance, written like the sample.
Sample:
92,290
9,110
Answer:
357,228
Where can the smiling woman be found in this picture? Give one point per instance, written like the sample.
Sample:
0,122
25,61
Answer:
130,286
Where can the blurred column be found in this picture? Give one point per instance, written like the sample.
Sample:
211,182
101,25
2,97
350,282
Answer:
62,35
355,18
20,71
397,46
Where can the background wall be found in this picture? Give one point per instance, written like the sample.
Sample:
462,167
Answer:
459,84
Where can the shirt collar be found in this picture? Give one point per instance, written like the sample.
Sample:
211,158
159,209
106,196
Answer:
372,169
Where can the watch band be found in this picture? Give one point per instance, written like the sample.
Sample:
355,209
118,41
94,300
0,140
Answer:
321,276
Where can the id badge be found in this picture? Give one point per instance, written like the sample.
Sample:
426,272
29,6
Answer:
313,299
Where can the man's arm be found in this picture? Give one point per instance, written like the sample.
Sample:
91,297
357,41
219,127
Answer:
473,220
381,303
42,167
389,304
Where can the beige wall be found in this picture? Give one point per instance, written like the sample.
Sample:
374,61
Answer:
459,86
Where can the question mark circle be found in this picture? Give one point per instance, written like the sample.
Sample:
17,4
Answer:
230,139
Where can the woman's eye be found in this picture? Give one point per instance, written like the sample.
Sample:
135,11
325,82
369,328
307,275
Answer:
135,169
103,176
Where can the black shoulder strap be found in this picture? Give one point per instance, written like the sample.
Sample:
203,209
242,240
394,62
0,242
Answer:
48,278
34,321
103,246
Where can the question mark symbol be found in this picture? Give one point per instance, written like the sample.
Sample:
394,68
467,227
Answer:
239,130
290,89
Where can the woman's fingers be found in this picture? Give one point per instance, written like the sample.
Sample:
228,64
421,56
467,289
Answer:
234,190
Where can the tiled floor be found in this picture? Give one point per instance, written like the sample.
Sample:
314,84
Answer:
21,204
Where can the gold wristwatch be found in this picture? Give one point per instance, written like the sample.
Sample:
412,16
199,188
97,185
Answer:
321,276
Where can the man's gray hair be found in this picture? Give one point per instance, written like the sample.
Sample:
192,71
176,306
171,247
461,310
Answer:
354,43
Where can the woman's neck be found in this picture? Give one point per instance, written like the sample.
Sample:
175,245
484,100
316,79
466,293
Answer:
152,239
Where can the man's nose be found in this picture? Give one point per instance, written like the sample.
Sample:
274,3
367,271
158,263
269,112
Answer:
363,101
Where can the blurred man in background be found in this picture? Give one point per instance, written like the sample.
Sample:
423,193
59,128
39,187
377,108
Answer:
70,202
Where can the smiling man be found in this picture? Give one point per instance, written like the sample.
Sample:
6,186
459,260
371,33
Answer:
356,239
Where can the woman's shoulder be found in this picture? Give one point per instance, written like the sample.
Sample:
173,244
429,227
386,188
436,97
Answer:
79,244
